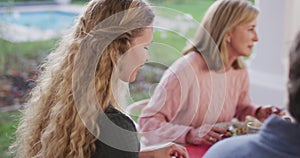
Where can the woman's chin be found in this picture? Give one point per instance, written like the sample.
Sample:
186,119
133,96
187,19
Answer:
247,54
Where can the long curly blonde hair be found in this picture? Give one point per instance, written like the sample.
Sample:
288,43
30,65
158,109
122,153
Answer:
52,125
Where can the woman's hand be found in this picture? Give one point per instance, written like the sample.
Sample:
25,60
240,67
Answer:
265,111
206,134
173,150
169,151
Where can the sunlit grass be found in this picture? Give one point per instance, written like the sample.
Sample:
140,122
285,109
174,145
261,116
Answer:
28,49
193,7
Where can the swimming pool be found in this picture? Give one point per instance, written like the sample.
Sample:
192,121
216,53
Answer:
43,20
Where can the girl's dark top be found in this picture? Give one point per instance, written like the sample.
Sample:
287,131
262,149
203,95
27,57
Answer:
112,133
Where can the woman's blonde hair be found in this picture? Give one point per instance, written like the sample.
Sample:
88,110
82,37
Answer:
222,17
51,125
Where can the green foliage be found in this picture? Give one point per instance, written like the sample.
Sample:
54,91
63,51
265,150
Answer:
8,124
12,54
18,56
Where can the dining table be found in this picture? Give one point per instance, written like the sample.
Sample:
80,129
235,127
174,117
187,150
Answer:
197,151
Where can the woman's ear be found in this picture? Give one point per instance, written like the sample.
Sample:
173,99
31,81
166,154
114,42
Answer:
228,37
228,40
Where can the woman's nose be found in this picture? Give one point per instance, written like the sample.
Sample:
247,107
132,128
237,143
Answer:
255,38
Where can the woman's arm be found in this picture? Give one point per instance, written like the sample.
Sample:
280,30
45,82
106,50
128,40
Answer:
158,118
245,106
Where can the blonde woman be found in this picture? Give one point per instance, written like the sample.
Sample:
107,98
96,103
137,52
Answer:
73,110
209,84
278,137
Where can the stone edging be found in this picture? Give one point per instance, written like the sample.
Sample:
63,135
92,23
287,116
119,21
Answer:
10,108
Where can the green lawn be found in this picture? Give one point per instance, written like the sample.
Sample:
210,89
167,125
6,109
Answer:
28,49
8,124
175,42
196,8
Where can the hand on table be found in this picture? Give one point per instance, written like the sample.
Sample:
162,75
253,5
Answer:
175,150
206,134
167,151
265,111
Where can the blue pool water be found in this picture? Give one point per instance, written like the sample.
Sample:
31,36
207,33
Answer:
44,20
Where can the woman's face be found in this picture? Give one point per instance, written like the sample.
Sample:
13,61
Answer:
241,40
136,56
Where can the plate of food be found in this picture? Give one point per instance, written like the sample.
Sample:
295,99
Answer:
234,127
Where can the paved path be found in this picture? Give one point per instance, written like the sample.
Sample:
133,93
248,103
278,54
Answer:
10,108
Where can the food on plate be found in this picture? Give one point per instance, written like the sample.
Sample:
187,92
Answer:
252,119
234,128
237,129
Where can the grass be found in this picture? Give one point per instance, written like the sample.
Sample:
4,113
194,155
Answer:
174,43
27,49
8,124
196,8
166,50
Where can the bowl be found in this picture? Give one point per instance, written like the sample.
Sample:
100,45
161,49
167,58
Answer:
253,127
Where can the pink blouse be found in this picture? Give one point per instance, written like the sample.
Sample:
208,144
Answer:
189,96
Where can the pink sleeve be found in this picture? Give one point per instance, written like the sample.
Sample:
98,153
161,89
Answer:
245,106
157,118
